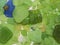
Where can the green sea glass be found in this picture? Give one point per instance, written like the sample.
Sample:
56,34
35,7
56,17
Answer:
5,35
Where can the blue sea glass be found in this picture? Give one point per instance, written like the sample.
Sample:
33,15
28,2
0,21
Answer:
9,11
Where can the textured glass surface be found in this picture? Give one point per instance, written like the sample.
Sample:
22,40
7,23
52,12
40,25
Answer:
29,22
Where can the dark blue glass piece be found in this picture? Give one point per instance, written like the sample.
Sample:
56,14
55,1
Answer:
9,8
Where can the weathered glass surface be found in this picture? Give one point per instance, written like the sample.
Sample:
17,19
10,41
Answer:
29,22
